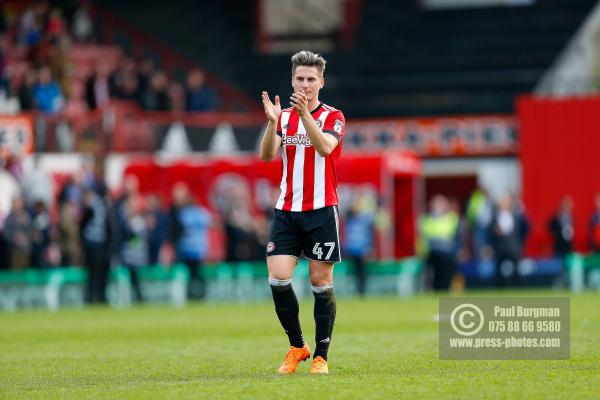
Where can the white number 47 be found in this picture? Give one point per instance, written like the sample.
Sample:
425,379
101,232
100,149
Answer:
318,250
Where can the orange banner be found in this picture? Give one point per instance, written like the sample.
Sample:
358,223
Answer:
16,135
436,137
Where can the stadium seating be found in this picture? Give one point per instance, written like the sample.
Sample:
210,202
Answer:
435,62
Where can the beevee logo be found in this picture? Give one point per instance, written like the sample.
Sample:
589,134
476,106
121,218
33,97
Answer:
301,140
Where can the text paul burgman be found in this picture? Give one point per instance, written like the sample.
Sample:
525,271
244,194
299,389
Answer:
529,312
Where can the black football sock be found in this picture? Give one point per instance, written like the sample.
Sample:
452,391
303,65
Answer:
286,306
324,318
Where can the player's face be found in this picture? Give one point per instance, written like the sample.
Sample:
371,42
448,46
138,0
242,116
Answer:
308,80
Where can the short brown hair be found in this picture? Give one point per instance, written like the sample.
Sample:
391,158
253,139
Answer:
308,59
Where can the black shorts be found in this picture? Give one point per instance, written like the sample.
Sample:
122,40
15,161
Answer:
314,233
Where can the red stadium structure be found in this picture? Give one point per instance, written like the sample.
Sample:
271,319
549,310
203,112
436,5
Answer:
559,140
393,176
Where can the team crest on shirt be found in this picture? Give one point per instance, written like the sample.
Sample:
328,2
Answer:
270,247
338,125
319,123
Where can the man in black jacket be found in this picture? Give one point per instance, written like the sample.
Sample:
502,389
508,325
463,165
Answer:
562,229
96,240
509,229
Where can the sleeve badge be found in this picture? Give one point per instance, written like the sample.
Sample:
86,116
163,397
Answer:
338,125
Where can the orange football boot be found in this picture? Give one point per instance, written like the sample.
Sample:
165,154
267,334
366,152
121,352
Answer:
319,366
292,358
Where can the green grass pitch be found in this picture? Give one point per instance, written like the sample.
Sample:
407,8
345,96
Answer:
382,348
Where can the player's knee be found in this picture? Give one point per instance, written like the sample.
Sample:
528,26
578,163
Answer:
322,289
321,279
279,275
280,279
280,285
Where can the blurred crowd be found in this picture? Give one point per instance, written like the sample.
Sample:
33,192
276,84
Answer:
75,221
37,71
81,224
149,87
494,232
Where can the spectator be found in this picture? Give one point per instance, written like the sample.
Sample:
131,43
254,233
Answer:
260,238
561,228
72,191
239,224
61,64
95,236
131,186
359,234
133,249
200,98
519,209
99,87
130,88
127,67
47,93
69,235
17,233
30,32
506,233
37,185
10,190
121,211
55,26
189,234
130,189
461,231
90,177
40,235
27,90
156,97
480,209
439,231
4,83
4,249
177,98
158,227
14,165
594,229
82,25
146,70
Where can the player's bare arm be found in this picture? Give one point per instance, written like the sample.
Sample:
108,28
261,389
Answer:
270,141
324,144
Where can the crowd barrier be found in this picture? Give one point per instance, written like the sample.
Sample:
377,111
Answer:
583,271
245,281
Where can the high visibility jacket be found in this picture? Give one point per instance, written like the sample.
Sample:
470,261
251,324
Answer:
439,232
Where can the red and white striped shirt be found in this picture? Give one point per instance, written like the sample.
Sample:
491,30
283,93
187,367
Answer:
309,181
